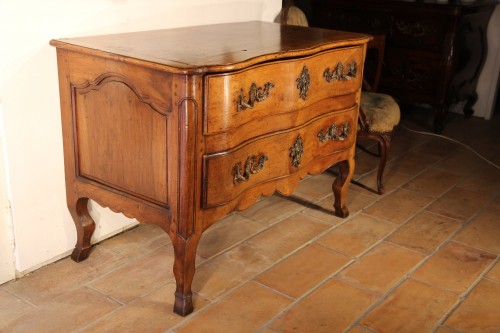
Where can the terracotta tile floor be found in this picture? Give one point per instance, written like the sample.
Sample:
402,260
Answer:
423,257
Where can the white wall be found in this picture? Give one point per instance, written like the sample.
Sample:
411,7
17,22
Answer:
7,267
488,80
42,225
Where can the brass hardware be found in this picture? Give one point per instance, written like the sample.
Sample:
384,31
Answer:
338,72
332,133
296,151
253,165
256,94
303,82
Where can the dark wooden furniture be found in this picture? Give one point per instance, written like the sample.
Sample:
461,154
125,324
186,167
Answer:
180,127
434,50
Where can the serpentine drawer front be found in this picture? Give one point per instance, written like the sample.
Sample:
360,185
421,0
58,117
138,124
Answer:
180,127
272,87
265,158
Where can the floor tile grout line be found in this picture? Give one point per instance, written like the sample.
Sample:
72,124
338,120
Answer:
400,187
124,305
452,329
409,275
353,260
414,149
234,245
109,297
97,320
474,247
220,253
492,280
369,248
369,329
33,307
87,284
281,218
381,298
13,293
385,237
128,262
470,219
298,300
121,304
263,328
173,279
265,286
462,297
427,168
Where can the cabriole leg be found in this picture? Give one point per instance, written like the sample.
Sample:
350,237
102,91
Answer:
439,119
468,110
339,187
384,145
184,267
85,227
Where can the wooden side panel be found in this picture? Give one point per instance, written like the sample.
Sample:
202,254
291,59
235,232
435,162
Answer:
120,137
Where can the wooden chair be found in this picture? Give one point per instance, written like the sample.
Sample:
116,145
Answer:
379,114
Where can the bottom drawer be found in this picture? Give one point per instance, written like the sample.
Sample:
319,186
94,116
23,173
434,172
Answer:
229,174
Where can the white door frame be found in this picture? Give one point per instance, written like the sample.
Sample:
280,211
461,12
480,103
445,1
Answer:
7,240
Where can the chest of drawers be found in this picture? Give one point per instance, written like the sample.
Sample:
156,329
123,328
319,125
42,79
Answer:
180,127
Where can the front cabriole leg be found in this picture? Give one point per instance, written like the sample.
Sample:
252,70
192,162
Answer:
184,165
184,267
85,227
339,187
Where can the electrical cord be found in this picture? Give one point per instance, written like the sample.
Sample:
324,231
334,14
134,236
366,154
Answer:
453,140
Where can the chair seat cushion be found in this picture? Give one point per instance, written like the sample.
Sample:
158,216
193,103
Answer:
381,111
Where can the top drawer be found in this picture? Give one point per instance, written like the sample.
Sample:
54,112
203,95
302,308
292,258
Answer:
234,99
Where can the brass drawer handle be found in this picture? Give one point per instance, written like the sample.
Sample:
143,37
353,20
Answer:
256,94
334,133
253,165
296,151
303,83
338,72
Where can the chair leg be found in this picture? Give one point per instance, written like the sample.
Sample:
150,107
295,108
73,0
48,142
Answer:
384,145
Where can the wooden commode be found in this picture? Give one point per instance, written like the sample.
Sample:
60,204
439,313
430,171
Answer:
180,127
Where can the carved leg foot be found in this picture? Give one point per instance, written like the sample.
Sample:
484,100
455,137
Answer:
85,227
438,128
184,266
339,187
439,119
468,110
